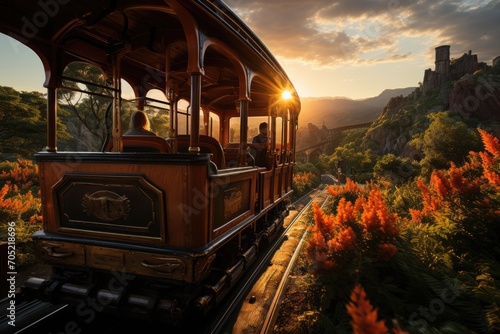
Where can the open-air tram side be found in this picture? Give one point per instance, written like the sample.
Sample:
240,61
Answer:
155,234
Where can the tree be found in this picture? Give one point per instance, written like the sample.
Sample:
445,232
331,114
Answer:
395,169
354,158
446,140
85,114
23,122
86,108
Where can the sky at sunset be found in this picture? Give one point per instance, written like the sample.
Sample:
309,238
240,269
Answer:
351,48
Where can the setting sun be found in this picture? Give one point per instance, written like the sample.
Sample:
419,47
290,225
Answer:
286,95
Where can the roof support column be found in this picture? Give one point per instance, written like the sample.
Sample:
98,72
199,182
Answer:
117,124
51,119
194,142
243,131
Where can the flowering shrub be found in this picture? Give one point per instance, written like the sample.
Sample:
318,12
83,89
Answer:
443,249
364,315
20,203
461,205
17,201
22,172
360,231
303,182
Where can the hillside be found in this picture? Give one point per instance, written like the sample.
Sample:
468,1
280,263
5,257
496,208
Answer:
335,112
474,99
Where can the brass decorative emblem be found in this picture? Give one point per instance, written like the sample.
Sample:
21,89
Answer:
169,265
106,205
203,266
232,203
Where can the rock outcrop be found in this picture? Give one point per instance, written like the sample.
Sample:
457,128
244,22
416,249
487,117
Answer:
463,86
476,96
390,133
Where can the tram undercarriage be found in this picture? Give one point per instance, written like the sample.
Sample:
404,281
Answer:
144,297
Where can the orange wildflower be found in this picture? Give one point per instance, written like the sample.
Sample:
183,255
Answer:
364,315
431,203
488,163
440,183
324,222
351,186
344,240
345,212
376,215
386,251
491,143
416,215
460,184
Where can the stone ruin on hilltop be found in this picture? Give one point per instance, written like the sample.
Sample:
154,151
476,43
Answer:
447,70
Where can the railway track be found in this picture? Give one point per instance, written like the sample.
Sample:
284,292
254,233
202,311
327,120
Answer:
36,316
258,315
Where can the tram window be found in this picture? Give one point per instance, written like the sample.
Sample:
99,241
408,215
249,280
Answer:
288,127
158,115
158,110
213,126
253,128
279,132
234,130
208,127
183,117
83,106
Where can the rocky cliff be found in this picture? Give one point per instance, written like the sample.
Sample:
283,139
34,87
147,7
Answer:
473,96
477,96
392,131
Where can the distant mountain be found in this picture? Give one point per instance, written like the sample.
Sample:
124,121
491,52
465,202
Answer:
341,111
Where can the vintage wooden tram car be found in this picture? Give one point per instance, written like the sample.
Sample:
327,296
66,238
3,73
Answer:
155,226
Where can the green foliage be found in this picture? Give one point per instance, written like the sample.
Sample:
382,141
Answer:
305,178
22,121
444,277
395,170
306,167
446,140
356,161
86,114
403,197
25,247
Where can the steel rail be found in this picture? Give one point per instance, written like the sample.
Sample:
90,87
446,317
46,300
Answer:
221,323
272,314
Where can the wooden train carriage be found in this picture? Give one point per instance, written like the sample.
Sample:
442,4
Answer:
196,204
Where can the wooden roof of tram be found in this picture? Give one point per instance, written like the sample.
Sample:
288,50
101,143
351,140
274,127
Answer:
152,38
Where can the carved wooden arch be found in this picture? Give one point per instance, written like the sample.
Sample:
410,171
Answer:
198,43
192,32
242,71
277,88
57,67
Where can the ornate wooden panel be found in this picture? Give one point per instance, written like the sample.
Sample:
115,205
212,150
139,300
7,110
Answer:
109,204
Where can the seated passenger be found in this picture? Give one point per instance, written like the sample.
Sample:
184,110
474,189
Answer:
259,146
139,125
140,138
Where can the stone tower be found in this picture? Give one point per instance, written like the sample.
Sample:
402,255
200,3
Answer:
447,71
443,59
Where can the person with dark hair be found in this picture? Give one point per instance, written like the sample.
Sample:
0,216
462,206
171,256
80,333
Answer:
139,125
259,145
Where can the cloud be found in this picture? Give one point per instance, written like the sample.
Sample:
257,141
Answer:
330,33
